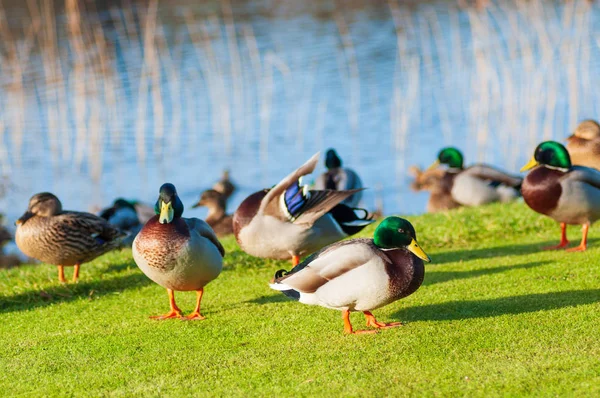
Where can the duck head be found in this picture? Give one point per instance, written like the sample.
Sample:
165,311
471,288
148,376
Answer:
398,233
587,130
210,198
42,204
449,156
332,160
551,154
168,206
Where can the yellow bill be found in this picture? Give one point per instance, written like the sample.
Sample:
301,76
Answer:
166,213
530,165
417,251
434,165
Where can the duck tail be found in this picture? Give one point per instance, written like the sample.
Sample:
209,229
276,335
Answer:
282,287
348,220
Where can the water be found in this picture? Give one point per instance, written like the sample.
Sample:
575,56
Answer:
97,103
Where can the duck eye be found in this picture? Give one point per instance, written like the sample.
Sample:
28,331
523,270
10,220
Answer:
400,230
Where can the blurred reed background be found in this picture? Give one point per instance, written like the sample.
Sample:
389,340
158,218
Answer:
106,99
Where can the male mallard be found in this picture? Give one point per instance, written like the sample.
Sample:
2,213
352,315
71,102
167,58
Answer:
123,215
359,274
434,181
568,194
584,144
288,220
224,185
64,238
217,218
475,185
339,178
178,253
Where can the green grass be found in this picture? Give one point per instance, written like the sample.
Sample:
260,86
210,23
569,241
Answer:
495,316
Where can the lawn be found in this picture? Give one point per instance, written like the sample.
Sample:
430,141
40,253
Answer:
495,316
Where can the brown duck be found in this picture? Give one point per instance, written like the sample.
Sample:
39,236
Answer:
217,218
439,184
584,144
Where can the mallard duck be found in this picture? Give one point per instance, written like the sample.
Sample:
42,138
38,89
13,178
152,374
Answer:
217,218
288,220
224,185
123,215
434,181
584,144
180,254
566,193
63,238
339,178
475,185
359,274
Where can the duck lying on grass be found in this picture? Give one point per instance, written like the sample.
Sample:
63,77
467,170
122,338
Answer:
288,220
359,274
339,178
566,193
475,185
584,144
180,254
433,181
64,238
217,218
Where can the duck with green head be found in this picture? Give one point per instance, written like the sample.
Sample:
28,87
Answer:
474,185
339,178
180,254
359,274
566,193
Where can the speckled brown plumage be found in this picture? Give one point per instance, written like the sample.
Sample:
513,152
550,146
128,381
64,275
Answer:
438,183
161,243
217,218
541,189
584,144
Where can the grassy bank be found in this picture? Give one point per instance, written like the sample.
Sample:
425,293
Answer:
495,316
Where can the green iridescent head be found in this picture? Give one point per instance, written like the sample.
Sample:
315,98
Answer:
451,157
550,153
396,233
168,205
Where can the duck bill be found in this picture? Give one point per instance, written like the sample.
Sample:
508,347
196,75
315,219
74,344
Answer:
417,251
434,165
198,204
26,216
166,213
530,165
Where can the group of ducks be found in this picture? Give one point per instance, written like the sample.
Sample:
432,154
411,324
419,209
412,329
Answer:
290,220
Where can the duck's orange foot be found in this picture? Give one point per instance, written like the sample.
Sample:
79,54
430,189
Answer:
374,323
170,315
194,316
561,245
579,248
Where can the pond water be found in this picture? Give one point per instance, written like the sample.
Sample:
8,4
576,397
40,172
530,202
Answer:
113,100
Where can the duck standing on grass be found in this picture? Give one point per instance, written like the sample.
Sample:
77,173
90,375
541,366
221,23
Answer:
359,274
288,220
475,185
180,254
217,218
63,238
339,178
584,144
566,193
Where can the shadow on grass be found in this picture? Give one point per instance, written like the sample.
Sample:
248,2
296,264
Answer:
513,305
499,251
70,291
275,298
444,276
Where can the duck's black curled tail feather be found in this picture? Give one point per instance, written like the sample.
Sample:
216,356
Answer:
348,220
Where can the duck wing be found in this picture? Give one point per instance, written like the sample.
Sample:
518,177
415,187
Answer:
486,172
585,174
86,223
205,231
329,263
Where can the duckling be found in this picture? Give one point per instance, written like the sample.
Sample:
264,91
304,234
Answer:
63,238
224,185
566,193
359,274
436,182
180,254
217,218
475,185
584,144
339,178
289,220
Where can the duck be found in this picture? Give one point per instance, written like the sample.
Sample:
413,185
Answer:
568,194
123,215
584,144
177,253
339,178
440,198
475,185
289,220
52,235
224,185
359,274
217,218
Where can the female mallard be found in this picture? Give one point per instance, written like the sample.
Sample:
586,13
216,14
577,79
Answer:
178,253
224,186
475,185
359,274
568,194
339,178
584,144
64,238
288,220
217,218
440,195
